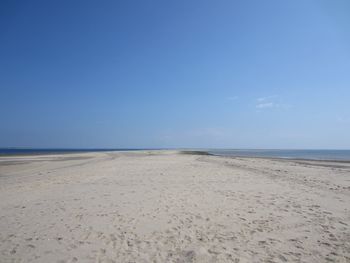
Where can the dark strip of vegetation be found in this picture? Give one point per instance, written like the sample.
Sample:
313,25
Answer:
195,152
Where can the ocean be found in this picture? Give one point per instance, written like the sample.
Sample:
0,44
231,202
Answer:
338,155
33,151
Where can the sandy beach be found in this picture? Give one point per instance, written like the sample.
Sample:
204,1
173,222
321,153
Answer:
166,206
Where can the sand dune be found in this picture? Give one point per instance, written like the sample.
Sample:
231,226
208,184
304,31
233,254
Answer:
164,206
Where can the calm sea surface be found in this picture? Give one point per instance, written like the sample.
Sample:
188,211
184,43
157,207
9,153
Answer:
27,151
341,155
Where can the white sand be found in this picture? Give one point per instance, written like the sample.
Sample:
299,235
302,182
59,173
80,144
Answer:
170,207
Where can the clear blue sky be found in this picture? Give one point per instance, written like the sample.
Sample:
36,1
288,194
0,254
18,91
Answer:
231,74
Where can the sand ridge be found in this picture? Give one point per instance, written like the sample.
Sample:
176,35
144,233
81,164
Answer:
164,206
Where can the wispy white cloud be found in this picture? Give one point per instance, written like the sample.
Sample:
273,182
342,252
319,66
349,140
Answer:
261,99
266,102
266,105
341,119
267,98
270,102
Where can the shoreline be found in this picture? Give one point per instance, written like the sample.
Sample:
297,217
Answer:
44,152
284,158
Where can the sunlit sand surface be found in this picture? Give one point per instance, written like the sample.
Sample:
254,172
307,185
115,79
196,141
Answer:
165,206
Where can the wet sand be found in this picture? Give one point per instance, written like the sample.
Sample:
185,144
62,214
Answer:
164,206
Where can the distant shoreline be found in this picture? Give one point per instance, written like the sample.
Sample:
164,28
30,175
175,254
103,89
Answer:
293,155
324,155
283,158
